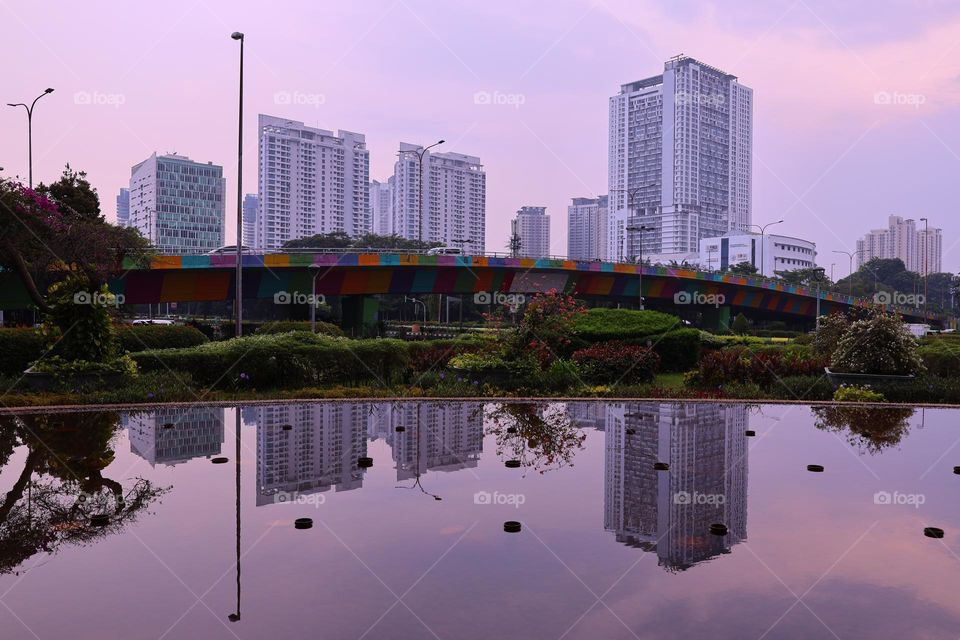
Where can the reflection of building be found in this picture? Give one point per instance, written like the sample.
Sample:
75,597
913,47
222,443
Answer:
319,451
195,433
438,437
670,512
588,415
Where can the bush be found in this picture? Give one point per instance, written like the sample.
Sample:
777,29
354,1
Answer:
742,365
617,362
854,393
878,344
829,331
941,358
286,326
142,337
678,350
740,325
599,325
18,348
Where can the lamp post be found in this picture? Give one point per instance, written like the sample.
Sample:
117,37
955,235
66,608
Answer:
313,300
238,302
631,201
926,252
850,274
29,109
420,153
641,228
763,230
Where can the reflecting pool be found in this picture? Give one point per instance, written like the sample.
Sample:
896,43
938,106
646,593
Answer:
636,520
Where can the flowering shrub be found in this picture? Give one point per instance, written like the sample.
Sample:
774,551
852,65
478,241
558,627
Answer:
854,393
616,362
546,328
878,344
829,331
741,365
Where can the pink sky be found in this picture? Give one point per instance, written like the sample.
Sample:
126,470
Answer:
827,157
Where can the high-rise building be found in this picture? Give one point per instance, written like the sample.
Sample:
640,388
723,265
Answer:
920,250
680,159
454,198
532,227
587,229
250,204
311,182
381,206
929,251
178,204
436,437
172,436
123,207
669,513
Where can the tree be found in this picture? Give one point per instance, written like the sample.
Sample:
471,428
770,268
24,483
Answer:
814,276
45,235
740,325
515,244
340,240
743,269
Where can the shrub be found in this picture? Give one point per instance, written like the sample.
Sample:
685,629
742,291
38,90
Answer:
854,393
808,387
941,358
742,365
598,325
740,325
617,362
18,348
678,350
830,329
878,344
142,337
559,376
78,326
286,326
545,328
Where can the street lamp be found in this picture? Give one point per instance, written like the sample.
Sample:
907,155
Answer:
641,228
763,230
30,128
420,151
313,297
926,252
850,274
631,198
238,302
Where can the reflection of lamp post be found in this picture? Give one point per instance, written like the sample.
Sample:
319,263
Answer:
313,300
238,303
30,129
235,616
763,229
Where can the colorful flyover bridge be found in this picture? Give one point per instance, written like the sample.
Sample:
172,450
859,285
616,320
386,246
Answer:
363,275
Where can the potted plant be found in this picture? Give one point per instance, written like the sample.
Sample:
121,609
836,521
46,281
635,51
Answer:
876,349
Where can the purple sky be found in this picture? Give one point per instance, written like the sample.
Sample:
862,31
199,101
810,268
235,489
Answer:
827,157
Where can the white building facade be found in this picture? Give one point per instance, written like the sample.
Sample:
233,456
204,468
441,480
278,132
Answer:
311,181
921,250
680,158
251,203
769,253
587,228
381,206
123,207
453,198
532,226
178,204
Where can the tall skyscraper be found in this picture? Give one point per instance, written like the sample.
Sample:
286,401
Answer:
587,228
454,198
250,204
311,181
381,206
532,227
680,158
918,249
123,207
178,204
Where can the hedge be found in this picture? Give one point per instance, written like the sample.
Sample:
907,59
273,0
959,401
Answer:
286,326
678,350
18,348
141,337
600,325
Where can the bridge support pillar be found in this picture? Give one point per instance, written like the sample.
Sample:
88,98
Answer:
716,319
360,314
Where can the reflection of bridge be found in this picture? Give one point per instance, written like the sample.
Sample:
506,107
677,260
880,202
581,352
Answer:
211,278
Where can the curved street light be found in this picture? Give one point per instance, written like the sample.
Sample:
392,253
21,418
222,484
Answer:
238,302
763,230
29,109
420,151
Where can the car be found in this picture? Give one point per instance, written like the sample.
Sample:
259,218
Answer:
152,321
230,248
445,251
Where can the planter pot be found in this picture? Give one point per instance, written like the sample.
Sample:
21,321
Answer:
44,381
869,379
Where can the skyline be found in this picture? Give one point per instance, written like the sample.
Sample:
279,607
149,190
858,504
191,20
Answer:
829,156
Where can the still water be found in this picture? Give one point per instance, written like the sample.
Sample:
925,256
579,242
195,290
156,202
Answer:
180,522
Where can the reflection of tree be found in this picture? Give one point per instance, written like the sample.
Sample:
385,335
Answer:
61,485
542,438
873,428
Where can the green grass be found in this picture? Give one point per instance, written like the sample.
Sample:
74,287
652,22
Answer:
669,380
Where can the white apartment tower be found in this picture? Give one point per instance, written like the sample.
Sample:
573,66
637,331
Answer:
921,250
250,205
123,207
311,181
587,228
532,226
680,157
381,206
454,198
178,204
929,251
